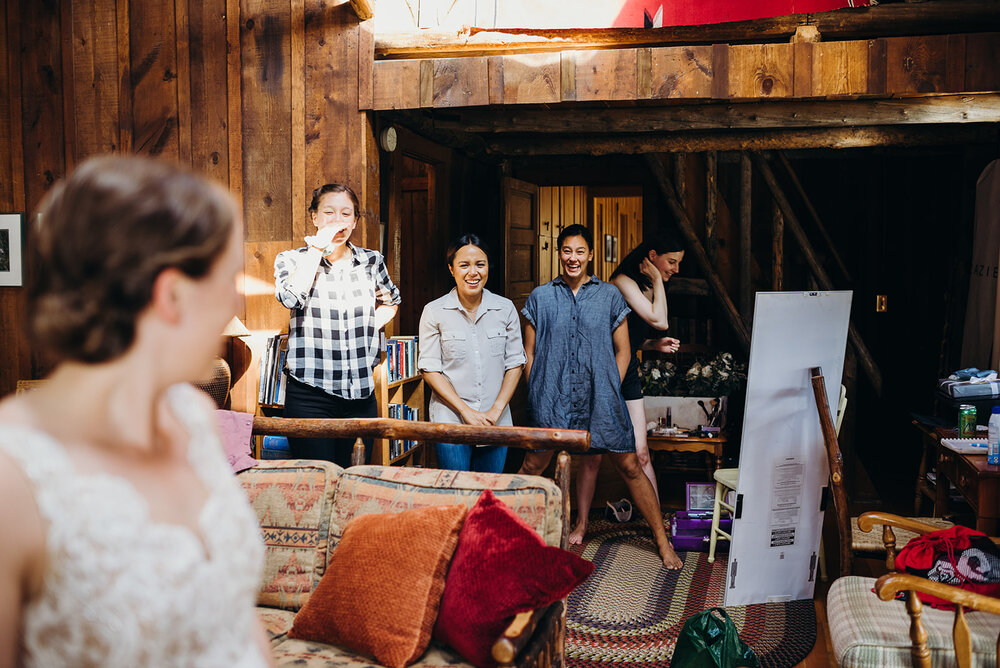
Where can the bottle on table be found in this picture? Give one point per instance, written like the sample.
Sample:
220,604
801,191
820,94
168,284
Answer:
993,452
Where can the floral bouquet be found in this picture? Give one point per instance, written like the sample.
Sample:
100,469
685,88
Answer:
721,376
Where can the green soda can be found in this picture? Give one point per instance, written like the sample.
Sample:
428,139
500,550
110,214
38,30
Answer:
966,421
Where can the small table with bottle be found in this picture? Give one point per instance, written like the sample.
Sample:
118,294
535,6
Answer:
972,474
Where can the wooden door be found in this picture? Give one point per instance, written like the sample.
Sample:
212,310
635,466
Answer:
520,239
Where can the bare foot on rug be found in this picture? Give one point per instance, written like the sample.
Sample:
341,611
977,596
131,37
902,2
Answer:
576,537
670,559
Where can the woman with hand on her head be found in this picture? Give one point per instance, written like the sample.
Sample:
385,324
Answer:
471,356
340,297
640,277
577,347
127,539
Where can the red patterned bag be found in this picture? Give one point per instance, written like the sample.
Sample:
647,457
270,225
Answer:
958,556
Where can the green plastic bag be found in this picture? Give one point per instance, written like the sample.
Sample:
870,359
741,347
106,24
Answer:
708,641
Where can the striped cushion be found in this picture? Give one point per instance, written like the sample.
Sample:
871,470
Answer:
293,501
392,489
867,631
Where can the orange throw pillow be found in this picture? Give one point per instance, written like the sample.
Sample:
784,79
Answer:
382,588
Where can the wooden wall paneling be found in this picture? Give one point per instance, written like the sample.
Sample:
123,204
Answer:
838,68
297,54
494,65
954,77
681,72
876,66
370,195
92,98
183,81
567,76
208,83
366,60
334,128
396,84
760,70
153,65
126,125
802,69
720,72
982,53
606,75
643,74
531,79
234,97
266,112
68,82
461,82
916,64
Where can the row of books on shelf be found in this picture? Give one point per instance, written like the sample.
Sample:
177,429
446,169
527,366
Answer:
398,447
401,357
273,380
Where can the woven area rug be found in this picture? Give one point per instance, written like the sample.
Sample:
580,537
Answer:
631,609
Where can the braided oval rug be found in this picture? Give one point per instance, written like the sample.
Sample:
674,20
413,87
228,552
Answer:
631,610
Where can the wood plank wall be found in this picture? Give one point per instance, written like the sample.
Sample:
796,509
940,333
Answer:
887,66
558,207
261,95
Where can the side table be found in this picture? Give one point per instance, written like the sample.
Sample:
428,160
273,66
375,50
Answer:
712,445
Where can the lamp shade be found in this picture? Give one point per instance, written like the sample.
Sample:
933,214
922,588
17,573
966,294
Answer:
235,328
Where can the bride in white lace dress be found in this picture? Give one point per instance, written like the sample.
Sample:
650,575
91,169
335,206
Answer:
126,540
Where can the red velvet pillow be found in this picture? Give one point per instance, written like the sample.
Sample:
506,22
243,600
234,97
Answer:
382,587
501,567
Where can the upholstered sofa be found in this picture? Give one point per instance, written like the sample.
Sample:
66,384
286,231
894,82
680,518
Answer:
304,506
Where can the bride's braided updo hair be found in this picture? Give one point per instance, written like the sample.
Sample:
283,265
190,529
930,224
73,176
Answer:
104,234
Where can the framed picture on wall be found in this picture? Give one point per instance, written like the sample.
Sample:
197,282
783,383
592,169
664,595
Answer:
11,249
609,247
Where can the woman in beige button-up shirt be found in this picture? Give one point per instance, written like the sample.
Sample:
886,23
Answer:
471,356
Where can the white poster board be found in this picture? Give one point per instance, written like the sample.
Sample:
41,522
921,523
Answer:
783,465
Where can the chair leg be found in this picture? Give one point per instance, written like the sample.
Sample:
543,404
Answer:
822,560
716,513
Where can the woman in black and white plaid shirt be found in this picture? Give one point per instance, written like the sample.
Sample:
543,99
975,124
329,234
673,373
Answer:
339,296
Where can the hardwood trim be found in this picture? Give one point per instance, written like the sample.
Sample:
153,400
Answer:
973,133
940,109
849,23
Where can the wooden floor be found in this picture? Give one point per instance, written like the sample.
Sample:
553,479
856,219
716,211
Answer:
821,655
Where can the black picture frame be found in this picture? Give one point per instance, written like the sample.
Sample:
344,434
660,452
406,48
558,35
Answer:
11,249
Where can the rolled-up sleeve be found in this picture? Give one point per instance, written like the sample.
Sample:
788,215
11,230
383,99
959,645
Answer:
284,266
429,355
386,293
530,306
619,309
514,349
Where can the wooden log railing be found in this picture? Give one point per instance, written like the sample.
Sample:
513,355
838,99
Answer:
571,440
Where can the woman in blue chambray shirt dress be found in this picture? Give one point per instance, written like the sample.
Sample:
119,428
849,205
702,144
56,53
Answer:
471,357
577,347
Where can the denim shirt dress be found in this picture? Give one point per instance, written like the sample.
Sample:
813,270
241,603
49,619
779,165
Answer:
574,381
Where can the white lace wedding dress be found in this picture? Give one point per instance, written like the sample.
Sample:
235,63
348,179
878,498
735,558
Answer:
122,590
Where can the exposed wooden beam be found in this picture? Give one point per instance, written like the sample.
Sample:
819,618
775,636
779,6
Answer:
942,109
815,216
792,222
694,244
363,8
711,204
976,133
777,248
689,286
853,23
746,287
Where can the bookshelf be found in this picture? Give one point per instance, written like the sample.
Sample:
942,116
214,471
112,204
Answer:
401,395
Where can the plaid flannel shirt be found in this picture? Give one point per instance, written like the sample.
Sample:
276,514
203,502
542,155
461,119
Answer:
332,340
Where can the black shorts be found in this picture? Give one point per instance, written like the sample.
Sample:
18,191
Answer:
631,385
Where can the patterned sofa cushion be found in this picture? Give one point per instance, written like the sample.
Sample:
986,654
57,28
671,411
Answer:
389,489
309,654
867,631
293,500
